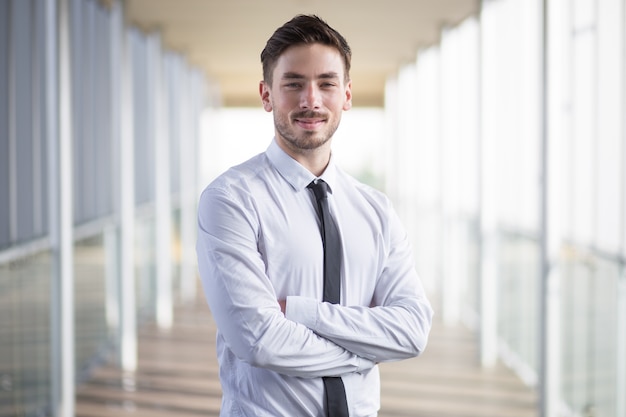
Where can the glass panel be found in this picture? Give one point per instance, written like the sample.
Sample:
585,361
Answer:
590,288
91,93
102,130
518,303
4,125
583,15
608,182
581,170
90,300
22,67
427,231
143,104
603,338
176,253
25,335
77,84
473,271
84,110
40,154
145,267
173,87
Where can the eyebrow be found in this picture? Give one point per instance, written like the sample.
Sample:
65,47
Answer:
296,76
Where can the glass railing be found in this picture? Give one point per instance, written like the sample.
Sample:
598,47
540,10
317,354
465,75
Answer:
93,336
590,306
518,301
145,266
25,335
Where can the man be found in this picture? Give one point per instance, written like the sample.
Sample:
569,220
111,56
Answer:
263,249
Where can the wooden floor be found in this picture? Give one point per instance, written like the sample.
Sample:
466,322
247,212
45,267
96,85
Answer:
177,377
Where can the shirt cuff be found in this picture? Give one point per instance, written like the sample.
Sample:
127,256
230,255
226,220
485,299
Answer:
302,310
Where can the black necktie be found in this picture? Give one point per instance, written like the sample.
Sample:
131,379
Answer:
336,404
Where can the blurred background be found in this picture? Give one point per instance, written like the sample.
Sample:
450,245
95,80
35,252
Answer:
497,127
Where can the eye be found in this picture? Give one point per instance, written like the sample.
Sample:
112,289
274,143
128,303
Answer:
292,86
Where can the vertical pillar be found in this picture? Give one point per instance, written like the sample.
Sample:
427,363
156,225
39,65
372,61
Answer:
453,268
621,297
61,213
188,127
12,135
126,187
550,239
112,234
488,207
163,200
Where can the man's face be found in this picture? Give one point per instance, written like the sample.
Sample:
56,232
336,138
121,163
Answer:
307,95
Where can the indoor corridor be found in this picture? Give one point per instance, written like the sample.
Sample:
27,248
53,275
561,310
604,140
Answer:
177,376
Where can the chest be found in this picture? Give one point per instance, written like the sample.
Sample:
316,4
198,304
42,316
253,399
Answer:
290,244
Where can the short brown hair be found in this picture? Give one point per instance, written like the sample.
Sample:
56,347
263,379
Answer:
303,29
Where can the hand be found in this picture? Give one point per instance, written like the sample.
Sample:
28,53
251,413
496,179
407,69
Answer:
283,305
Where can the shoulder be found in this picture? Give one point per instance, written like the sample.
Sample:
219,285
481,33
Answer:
236,188
229,200
240,174
238,180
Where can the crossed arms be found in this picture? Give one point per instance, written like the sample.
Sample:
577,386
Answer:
302,336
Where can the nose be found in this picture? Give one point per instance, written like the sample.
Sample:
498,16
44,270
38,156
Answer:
311,98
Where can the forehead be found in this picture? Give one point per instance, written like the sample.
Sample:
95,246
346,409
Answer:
309,60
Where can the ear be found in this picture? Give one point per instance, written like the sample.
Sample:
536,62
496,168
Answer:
347,105
264,92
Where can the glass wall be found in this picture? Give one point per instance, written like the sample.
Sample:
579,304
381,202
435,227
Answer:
432,108
23,150
515,155
25,261
103,58
589,82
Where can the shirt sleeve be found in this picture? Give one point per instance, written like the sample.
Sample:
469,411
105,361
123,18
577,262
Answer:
244,303
394,327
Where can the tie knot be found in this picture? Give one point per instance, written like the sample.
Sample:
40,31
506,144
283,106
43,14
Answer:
320,189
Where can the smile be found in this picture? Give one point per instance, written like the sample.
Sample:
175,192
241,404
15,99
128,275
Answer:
309,124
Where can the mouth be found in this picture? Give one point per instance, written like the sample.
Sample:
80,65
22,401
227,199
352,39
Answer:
309,124
309,121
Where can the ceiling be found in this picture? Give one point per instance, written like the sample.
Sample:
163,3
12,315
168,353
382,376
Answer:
225,37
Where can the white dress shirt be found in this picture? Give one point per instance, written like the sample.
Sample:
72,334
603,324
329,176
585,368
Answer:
258,242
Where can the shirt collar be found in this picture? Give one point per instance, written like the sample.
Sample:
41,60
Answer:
295,174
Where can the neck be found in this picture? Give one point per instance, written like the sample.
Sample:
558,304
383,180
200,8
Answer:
315,160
